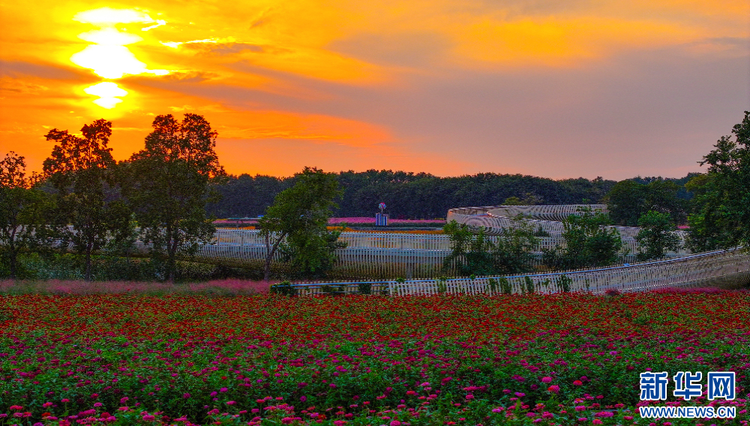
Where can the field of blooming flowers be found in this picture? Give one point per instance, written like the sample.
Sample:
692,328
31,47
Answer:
129,358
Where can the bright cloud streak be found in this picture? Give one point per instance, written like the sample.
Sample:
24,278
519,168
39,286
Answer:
109,16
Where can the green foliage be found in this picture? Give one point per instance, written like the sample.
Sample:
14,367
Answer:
513,251
493,284
589,242
628,200
656,236
332,289
168,186
564,282
410,195
721,215
80,170
24,214
505,286
310,255
471,252
528,285
284,288
441,285
296,223
364,288
474,253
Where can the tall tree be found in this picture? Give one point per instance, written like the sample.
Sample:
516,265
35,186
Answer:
22,211
297,222
80,170
721,214
168,186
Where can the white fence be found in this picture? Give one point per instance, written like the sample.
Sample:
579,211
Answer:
729,268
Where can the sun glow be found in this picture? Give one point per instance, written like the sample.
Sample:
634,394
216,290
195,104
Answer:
107,56
108,94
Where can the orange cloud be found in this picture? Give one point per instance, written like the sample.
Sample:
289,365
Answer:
563,42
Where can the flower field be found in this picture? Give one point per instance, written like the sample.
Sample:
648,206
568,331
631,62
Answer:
570,359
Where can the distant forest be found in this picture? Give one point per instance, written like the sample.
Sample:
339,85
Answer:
421,195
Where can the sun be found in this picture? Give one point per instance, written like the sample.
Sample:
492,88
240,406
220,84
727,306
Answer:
108,93
107,55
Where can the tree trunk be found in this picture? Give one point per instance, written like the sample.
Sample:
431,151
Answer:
13,267
174,244
269,254
87,275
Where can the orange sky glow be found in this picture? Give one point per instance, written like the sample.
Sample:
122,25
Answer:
450,87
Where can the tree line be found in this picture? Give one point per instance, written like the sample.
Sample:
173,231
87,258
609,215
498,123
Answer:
86,200
168,193
411,195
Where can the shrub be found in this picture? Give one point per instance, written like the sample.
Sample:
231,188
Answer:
365,288
564,283
505,286
284,288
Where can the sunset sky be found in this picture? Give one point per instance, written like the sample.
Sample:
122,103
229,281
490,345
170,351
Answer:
549,88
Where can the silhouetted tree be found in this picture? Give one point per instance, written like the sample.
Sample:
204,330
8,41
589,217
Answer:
22,211
721,217
168,186
80,170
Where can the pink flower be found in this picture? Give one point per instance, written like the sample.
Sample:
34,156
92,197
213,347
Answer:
395,423
580,407
554,389
577,383
231,402
546,379
149,418
598,422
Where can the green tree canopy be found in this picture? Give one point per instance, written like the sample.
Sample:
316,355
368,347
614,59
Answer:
22,211
589,242
628,200
168,186
475,253
297,219
80,170
721,217
657,236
